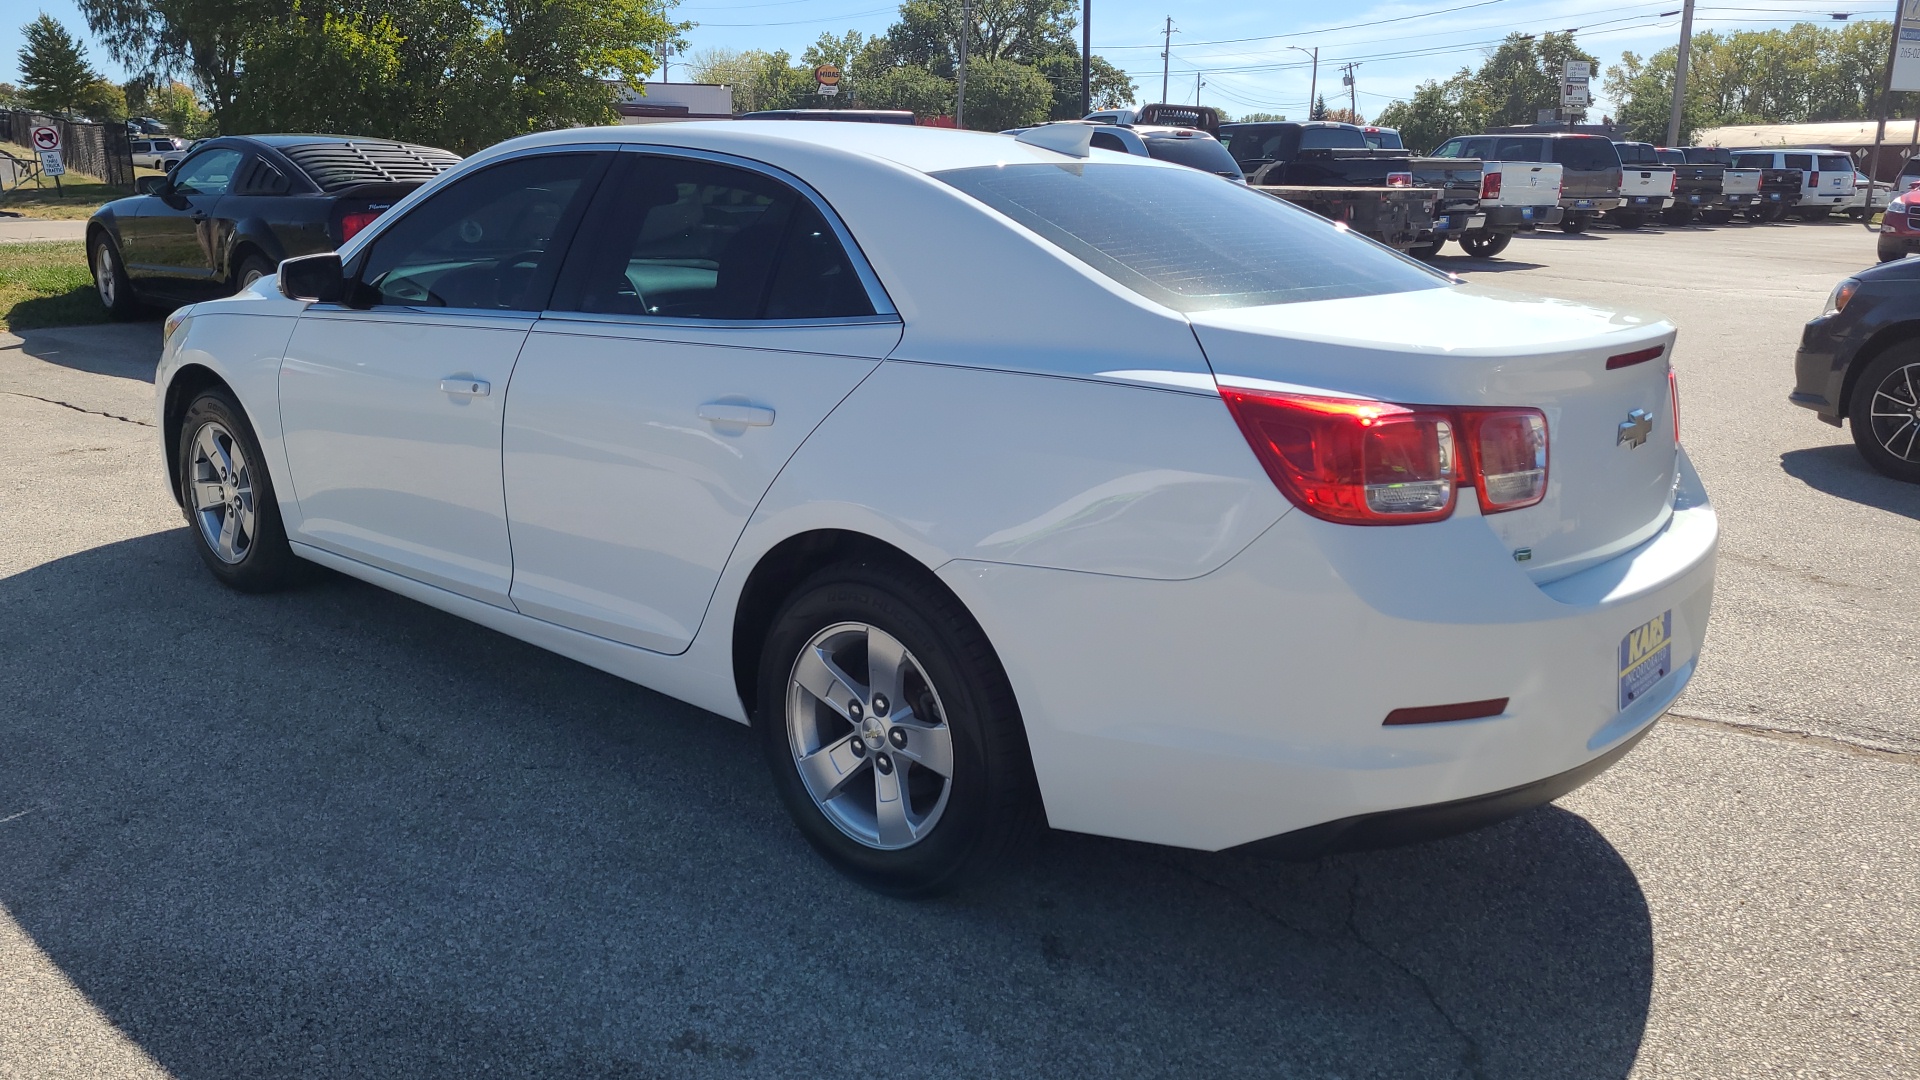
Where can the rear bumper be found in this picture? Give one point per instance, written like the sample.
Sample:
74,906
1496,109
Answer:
1763,198
1599,205
1249,703
1495,219
1646,202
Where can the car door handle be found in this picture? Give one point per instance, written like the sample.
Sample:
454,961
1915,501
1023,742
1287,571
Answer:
466,387
199,216
721,412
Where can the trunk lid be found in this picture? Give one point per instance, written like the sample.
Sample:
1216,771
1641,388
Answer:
1525,183
1638,181
1469,345
1740,181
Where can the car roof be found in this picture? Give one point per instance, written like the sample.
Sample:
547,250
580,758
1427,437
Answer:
922,149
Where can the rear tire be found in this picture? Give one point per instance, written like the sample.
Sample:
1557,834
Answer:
1626,219
1677,215
1574,222
1716,217
228,499
1777,212
252,269
1481,244
1890,386
849,776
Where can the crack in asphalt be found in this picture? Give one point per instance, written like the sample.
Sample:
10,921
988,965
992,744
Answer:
77,408
1799,738
1470,1058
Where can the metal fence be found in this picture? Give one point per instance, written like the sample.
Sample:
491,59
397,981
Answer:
99,150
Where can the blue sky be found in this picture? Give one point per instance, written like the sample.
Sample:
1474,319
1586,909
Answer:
1238,48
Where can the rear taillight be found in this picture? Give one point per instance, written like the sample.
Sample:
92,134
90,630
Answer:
1362,462
1490,186
354,222
1673,395
1399,179
1673,182
1816,179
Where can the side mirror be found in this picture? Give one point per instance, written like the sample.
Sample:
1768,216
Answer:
151,185
314,278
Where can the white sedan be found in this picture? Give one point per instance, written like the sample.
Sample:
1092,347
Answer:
995,483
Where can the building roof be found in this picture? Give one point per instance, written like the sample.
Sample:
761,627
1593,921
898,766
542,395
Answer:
1838,134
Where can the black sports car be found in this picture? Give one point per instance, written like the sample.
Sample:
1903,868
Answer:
239,204
1860,362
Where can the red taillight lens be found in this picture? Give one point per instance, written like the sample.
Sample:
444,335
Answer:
1399,179
1351,460
1490,186
1509,452
353,223
1673,182
1673,395
1362,462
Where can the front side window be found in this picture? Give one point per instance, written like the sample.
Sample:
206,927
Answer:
1452,148
488,241
681,238
1187,241
210,173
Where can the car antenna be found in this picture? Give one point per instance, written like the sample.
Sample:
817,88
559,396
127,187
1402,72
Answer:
1075,140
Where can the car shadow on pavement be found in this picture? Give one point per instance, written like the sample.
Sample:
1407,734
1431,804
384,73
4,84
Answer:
1494,265
1838,470
124,350
335,832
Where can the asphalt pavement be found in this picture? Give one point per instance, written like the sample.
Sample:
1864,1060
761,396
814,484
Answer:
335,833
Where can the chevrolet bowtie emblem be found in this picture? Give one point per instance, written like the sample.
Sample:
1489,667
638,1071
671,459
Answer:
1635,429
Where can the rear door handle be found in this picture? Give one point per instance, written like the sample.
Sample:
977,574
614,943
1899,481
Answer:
720,412
466,387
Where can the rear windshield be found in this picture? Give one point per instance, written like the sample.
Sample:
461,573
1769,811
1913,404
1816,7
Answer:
1332,138
1585,155
1636,154
1837,163
1199,153
1190,241
1672,157
1709,155
1384,140
1753,161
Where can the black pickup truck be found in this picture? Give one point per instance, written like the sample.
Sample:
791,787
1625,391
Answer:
1697,189
1328,168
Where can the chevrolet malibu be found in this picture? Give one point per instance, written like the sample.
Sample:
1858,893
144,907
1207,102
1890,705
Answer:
995,482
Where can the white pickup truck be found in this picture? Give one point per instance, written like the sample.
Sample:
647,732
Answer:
1515,196
1646,186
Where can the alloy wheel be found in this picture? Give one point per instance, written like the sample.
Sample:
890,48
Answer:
1895,412
103,276
869,736
220,486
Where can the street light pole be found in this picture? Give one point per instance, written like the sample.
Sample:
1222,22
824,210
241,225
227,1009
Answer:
1086,57
1680,74
1313,83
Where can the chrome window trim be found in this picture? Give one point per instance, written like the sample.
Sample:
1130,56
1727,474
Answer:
890,319
876,292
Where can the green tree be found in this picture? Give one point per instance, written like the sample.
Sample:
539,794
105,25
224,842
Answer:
1437,112
323,72
842,51
102,100
1004,93
915,89
54,73
1319,110
174,104
1261,117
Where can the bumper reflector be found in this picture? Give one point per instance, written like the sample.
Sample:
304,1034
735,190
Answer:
1439,714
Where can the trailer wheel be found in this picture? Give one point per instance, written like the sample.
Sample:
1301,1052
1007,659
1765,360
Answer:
1481,244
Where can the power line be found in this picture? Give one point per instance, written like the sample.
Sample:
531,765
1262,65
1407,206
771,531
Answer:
1323,30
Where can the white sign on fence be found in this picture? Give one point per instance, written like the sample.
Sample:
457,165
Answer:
1906,48
50,163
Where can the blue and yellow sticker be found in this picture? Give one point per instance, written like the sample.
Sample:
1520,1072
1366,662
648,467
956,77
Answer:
1646,657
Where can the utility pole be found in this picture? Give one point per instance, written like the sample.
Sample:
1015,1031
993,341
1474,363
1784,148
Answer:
1353,93
1680,75
1166,54
1086,57
966,27
1197,84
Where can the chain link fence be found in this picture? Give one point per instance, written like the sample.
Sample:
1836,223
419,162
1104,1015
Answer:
99,150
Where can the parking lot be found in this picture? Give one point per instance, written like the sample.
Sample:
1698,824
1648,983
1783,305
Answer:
336,833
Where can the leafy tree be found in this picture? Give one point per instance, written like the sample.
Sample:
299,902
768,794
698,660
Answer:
906,87
1004,93
1261,117
175,104
54,73
1437,112
1112,88
288,61
842,51
102,100
1319,110
1523,76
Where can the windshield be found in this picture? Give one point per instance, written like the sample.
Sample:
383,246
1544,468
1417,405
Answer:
1709,155
1195,152
1672,157
1190,241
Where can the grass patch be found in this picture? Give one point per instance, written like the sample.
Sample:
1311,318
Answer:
79,196
47,284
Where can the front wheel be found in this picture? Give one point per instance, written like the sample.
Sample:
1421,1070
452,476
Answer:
1482,244
1885,413
110,281
252,269
892,732
1889,250
228,498
1574,222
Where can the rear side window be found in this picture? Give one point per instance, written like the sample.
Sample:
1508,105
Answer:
1753,161
679,238
1585,155
1107,140
1837,163
1516,150
1185,240
1203,154
1332,138
488,241
1803,162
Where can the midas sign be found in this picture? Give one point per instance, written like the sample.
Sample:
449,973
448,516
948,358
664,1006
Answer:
827,75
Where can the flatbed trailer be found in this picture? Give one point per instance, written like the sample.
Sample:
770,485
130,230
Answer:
1396,216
